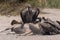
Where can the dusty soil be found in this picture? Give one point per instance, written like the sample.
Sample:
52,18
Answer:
53,14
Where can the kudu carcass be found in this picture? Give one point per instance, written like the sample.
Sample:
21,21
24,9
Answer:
16,28
55,26
22,29
35,29
47,27
41,29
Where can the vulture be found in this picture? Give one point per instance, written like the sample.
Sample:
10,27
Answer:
29,15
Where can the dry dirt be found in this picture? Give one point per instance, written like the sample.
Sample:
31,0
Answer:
53,14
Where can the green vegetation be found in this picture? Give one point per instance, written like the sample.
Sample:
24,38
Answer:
43,3
13,7
53,3
34,2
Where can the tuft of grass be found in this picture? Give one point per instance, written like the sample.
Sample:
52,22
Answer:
33,2
52,4
45,3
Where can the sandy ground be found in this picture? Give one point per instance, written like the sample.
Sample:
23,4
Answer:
53,14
